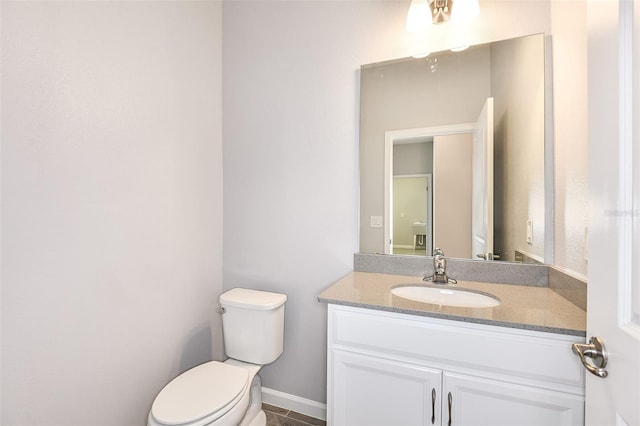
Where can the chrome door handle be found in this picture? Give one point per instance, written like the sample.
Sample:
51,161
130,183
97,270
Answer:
595,350
433,406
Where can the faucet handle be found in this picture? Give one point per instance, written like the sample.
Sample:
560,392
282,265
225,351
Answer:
438,252
439,264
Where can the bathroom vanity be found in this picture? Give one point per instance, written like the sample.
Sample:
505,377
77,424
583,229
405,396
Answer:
395,361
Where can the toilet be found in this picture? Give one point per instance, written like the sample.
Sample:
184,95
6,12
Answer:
228,393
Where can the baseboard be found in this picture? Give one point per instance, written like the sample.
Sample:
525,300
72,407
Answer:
300,405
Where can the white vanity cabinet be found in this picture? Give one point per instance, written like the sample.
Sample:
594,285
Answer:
370,390
388,368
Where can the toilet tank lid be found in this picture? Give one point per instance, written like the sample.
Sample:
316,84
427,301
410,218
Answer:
252,299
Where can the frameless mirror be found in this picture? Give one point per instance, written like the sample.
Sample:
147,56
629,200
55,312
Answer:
452,153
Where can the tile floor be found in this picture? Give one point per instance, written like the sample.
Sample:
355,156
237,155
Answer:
277,416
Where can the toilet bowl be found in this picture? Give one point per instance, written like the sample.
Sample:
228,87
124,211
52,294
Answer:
214,393
228,393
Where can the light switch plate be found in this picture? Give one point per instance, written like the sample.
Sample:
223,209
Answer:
376,222
529,231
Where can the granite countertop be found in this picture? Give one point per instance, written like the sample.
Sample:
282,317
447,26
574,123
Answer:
524,307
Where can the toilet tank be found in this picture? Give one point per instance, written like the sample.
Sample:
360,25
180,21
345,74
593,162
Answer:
253,325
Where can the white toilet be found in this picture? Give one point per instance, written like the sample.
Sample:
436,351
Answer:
228,393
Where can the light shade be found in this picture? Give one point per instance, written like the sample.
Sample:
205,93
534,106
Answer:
465,10
419,17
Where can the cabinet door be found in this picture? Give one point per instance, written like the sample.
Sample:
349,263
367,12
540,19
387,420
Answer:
369,391
479,401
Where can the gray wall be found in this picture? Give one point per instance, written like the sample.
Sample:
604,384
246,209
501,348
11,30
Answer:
413,158
290,174
111,205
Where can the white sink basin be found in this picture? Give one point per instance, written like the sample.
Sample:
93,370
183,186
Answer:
419,228
445,296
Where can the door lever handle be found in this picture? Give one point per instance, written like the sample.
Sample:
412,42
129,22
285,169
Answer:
595,350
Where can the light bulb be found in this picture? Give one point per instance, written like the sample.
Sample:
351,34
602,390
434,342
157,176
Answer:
419,17
465,10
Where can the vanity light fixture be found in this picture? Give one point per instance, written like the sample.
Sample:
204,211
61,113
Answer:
423,13
419,17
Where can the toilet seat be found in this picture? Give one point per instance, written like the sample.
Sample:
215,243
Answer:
200,395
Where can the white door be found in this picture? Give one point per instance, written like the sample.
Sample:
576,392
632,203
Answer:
469,400
482,193
370,391
613,311
429,242
452,194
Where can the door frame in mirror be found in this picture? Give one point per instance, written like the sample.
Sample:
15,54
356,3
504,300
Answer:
407,136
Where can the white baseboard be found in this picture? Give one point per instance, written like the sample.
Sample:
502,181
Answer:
403,246
300,405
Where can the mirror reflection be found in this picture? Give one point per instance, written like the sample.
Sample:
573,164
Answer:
452,153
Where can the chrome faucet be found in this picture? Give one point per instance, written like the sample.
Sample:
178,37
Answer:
439,269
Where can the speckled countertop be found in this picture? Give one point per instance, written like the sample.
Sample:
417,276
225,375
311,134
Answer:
525,307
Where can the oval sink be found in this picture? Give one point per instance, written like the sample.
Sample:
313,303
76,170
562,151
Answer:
445,296
419,228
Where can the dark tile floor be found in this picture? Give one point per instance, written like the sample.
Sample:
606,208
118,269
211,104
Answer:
277,416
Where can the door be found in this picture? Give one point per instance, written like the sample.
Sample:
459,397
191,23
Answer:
613,311
372,391
482,192
404,136
477,401
429,242
452,194
409,209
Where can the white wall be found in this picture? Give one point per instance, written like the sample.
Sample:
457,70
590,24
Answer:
111,205
570,101
290,98
519,145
